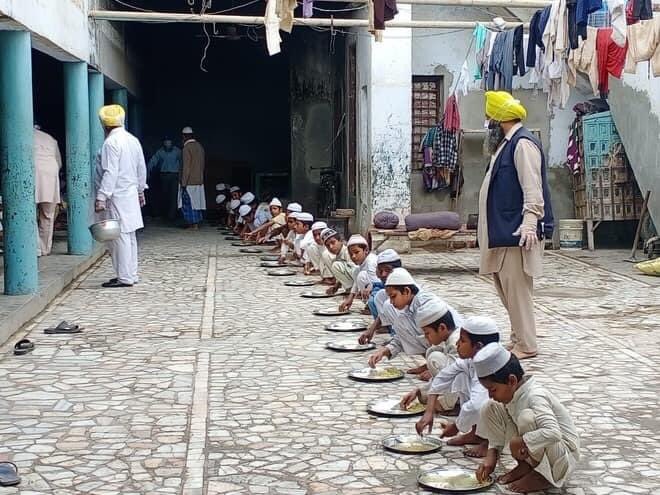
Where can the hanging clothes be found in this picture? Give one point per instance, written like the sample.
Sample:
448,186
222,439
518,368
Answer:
518,52
573,158
641,10
308,8
500,70
582,11
452,117
383,10
585,60
480,35
644,44
600,18
285,11
536,29
272,25
617,10
555,41
571,6
611,59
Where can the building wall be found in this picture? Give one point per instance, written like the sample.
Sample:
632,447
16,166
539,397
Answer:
437,52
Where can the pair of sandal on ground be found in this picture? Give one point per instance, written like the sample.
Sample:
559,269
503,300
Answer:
25,346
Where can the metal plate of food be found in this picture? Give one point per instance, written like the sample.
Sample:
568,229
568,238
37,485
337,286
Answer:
251,250
300,283
317,294
388,374
349,346
270,257
412,444
451,480
270,264
346,326
242,243
294,263
232,238
330,312
391,408
281,272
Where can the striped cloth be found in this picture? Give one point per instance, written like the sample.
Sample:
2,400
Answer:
190,215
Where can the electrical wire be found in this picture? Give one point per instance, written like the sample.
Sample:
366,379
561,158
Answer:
205,5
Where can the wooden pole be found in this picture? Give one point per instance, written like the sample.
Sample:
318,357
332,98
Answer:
638,232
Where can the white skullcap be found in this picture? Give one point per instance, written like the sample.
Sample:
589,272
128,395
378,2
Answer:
240,220
220,198
244,210
432,310
234,204
319,226
327,234
296,207
305,217
491,359
234,189
247,198
187,130
400,276
275,202
480,325
357,240
220,187
388,256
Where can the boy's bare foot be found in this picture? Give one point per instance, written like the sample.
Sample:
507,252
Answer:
531,482
478,451
328,281
365,311
515,474
470,438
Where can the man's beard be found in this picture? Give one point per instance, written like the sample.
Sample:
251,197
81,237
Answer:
494,138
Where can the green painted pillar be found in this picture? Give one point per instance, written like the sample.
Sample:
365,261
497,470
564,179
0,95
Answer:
96,101
135,118
78,171
120,97
21,275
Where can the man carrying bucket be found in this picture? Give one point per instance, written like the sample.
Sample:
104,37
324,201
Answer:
515,216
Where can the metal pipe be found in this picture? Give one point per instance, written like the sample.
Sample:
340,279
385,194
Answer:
162,17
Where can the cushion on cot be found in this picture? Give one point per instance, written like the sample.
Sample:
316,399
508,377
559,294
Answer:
386,220
433,220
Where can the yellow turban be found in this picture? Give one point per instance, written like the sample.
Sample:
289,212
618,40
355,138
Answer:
112,116
503,107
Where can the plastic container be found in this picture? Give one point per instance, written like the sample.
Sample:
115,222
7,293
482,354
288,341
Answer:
571,234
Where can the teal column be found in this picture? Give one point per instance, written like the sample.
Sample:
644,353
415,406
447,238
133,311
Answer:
17,163
120,97
78,171
135,118
96,101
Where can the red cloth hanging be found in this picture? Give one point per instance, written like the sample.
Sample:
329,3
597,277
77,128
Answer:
452,116
611,59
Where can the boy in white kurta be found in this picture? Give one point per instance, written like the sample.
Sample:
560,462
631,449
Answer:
364,275
338,259
461,378
314,253
527,418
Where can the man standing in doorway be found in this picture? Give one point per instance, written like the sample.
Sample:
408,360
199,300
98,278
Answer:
120,184
167,161
192,199
515,216
47,165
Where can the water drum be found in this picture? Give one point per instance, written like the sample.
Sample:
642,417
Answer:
571,234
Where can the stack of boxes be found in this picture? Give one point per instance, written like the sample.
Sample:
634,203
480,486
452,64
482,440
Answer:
606,188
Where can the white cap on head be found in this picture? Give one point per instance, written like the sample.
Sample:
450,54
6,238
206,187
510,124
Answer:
294,214
244,210
480,325
220,198
275,202
357,240
305,217
220,187
432,310
400,276
388,256
187,130
240,220
235,203
328,233
490,359
295,207
247,198
234,189
319,226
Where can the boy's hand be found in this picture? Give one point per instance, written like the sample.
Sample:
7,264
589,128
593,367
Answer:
331,290
366,336
408,399
427,420
376,357
450,430
485,469
518,448
425,376
345,305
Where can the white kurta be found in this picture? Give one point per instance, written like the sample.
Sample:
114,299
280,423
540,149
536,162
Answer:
120,176
306,241
461,378
365,274
47,164
543,422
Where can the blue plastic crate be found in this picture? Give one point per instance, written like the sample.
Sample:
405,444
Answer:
599,135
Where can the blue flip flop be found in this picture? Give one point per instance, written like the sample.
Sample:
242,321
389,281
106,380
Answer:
9,474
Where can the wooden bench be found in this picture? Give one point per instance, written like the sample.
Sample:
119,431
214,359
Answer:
464,238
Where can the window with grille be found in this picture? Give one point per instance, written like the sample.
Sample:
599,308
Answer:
426,111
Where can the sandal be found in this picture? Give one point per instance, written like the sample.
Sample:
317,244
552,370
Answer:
23,347
9,474
64,327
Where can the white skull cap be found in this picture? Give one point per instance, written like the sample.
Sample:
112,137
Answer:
247,198
480,325
432,310
319,226
491,359
305,217
388,256
187,130
234,189
400,276
275,202
244,210
220,198
220,187
357,240
295,207
235,203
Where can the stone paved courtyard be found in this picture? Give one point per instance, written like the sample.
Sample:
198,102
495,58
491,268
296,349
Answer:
211,377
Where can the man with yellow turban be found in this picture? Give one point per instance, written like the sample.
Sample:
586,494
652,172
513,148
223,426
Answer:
121,179
515,216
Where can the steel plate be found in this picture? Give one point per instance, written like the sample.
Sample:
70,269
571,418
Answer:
330,312
232,238
270,257
412,444
281,273
346,326
270,264
316,294
300,283
390,408
451,480
251,250
388,374
349,346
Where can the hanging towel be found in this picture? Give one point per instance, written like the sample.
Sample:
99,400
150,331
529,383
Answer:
452,118
611,59
480,33
272,24
308,8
